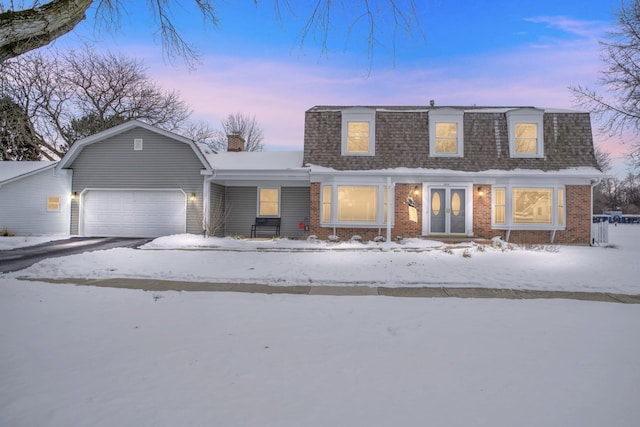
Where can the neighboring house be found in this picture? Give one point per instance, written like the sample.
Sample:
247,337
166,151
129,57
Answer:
522,173
33,199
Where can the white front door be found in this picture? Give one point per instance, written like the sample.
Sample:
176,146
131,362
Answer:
133,213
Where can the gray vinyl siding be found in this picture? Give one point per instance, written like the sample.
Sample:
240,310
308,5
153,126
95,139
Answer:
23,204
242,205
295,204
163,163
217,203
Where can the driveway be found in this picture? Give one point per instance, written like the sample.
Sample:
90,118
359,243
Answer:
19,258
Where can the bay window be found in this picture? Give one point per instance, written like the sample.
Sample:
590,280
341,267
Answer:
354,205
537,207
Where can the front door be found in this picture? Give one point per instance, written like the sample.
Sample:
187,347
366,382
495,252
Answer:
447,210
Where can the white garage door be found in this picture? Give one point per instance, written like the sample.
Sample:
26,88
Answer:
133,213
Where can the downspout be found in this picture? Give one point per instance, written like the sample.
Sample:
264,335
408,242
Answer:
390,211
593,185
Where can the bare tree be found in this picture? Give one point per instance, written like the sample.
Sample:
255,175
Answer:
235,124
617,102
247,127
23,28
71,96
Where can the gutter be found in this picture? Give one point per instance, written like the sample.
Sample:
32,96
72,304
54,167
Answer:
593,184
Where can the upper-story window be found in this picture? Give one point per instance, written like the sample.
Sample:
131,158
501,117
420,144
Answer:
526,137
446,132
358,131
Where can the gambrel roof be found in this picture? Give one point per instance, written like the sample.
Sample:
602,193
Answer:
402,140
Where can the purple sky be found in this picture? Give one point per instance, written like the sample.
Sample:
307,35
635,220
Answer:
496,52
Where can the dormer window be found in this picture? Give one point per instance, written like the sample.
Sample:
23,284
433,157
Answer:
526,138
446,133
358,132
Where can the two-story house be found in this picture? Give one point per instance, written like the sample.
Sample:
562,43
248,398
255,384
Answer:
522,173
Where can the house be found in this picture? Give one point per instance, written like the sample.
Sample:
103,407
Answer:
523,173
33,198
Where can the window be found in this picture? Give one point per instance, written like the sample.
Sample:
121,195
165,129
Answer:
446,138
268,202
531,206
561,206
358,132
446,132
326,203
499,206
357,205
528,207
137,144
525,128
53,204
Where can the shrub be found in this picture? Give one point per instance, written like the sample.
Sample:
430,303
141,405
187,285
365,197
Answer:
7,233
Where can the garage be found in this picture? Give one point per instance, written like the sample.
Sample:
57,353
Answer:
133,213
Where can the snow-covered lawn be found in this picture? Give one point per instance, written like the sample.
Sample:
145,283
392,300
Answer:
413,263
89,356
13,242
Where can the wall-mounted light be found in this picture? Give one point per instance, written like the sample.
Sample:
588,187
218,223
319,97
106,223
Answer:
416,190
480,192
192,196
74,195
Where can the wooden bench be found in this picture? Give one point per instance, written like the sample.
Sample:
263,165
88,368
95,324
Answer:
265,222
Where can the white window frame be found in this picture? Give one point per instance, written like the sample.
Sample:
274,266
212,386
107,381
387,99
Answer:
526,116
380,208
49,203
258,214
557,222
446,115
359,114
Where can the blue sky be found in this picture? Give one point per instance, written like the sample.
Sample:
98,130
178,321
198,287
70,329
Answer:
474,52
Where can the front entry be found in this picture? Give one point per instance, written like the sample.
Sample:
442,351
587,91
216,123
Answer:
447,210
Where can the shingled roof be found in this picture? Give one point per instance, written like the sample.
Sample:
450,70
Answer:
402,140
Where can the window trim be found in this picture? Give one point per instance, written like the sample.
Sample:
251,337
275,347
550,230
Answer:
526,116
258,213
359,114
380,208
50,203
558,207
446,115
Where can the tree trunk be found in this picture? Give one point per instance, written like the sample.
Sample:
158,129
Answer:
29,29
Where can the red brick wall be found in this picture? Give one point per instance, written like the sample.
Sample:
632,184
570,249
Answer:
578,218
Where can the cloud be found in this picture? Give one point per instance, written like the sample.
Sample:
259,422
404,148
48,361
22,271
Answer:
576,27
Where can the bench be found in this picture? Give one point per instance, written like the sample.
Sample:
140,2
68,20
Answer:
265,222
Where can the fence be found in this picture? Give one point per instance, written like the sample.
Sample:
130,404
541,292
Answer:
599,232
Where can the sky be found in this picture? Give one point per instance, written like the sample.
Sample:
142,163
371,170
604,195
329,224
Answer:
468,52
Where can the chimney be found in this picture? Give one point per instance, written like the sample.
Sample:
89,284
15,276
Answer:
432,102
235,142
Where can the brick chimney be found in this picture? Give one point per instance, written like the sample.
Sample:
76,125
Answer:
235,142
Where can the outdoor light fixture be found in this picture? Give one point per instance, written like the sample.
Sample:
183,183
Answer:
74,195
480,192
416,190
192,197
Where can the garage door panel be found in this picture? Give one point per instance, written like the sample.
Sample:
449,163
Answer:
134,213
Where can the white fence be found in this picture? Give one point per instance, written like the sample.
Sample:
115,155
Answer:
599,233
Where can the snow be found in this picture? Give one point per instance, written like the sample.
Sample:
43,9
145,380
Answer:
413,262
82,355
13,169
253,160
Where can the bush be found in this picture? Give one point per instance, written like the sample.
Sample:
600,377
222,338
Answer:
7,233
